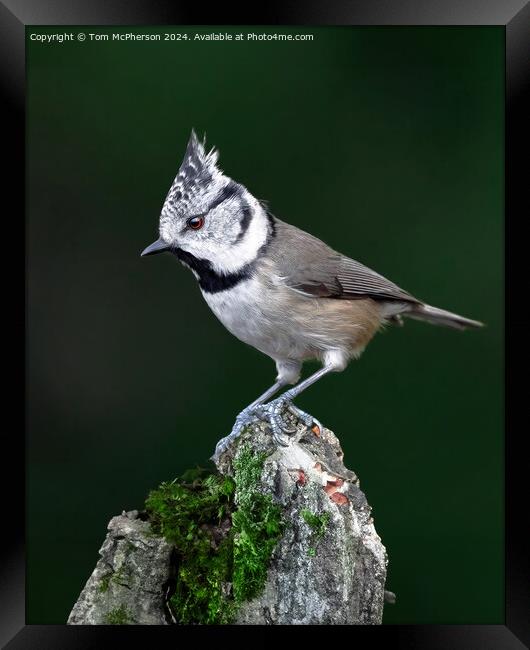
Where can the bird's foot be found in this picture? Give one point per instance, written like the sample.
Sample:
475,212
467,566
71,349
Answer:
283,428
245,418
274,414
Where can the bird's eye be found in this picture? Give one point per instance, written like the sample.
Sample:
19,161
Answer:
196,223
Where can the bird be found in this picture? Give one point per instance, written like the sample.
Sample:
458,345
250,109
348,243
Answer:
276,287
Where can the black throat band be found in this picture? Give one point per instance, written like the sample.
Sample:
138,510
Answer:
210,280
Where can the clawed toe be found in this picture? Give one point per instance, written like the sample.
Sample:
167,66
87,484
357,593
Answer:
281,439
245,418
274,414
309,421
301,415
317,427
282,428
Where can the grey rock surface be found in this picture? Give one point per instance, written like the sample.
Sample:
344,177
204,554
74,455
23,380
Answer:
129,584
337,576
329,567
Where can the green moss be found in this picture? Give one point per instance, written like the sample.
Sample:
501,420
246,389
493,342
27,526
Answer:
119,577
177,509
318,524
257,526
224,531
189,512
118,616
104,583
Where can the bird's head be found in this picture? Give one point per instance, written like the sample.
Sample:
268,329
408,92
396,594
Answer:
209,217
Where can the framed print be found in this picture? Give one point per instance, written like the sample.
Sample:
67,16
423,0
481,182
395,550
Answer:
240,144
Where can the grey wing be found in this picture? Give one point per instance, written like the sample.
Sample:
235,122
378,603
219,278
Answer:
357,280
312,267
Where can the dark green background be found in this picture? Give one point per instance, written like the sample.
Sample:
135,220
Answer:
386,143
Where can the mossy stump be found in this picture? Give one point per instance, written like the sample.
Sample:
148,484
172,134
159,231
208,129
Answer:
274,535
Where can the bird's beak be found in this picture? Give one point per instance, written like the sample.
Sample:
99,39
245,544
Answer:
159,246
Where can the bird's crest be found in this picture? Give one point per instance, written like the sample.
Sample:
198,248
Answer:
197,171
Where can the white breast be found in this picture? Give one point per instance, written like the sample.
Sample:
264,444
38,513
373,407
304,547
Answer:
239,309
257,314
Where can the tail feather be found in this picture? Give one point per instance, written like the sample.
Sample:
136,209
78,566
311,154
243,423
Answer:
441,317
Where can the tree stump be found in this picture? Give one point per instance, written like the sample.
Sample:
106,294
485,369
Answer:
327,565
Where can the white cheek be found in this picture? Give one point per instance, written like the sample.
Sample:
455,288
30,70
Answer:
233,257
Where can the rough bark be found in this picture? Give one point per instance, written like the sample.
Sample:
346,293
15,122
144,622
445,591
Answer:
130,581
329,566
337,577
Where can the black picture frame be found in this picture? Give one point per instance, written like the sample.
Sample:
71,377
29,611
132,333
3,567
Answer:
514,16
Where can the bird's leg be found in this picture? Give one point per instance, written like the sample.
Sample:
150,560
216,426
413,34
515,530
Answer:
249,414
276,407
246,417
263,398
272,411
293,392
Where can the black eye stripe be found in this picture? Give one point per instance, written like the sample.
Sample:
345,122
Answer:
245,222
230,190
